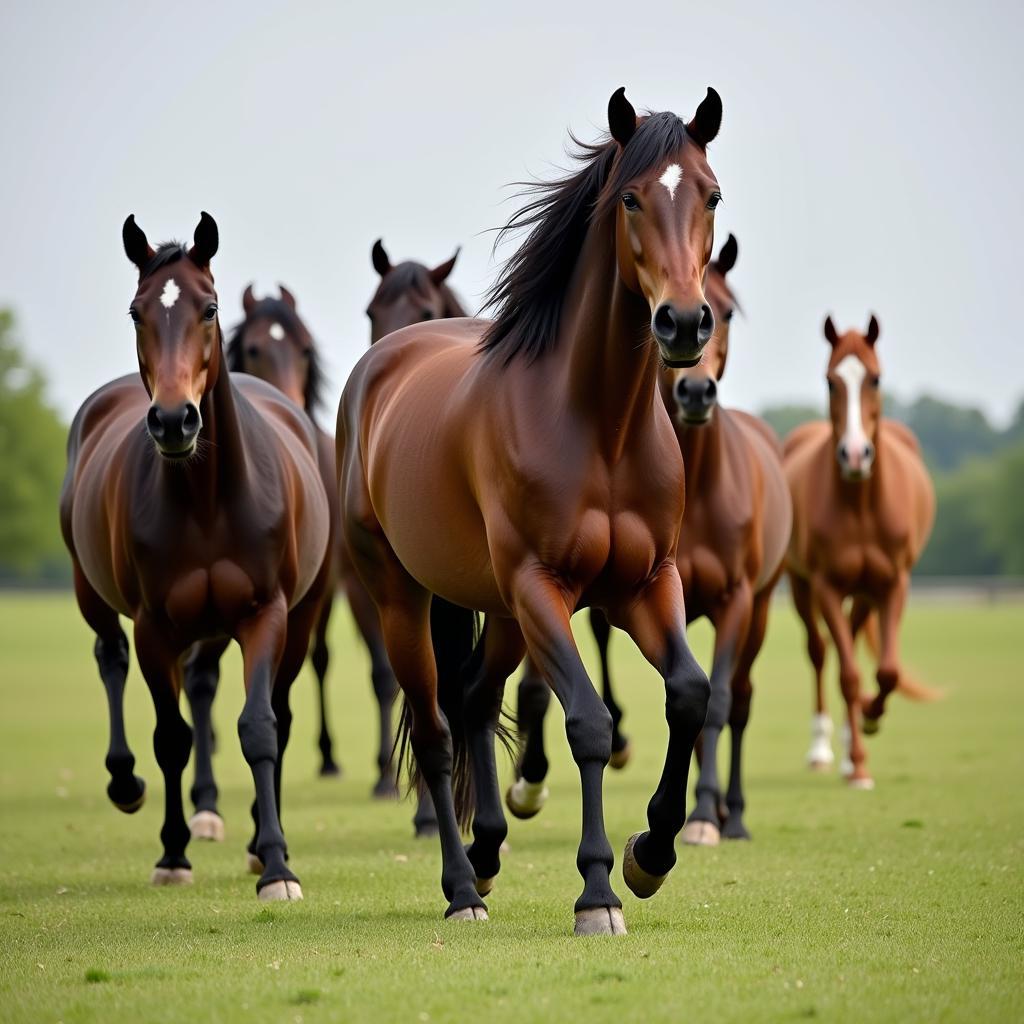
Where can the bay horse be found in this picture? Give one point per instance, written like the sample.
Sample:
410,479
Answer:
732,543
193,506
863,508
525,467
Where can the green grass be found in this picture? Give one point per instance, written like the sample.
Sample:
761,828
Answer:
900,904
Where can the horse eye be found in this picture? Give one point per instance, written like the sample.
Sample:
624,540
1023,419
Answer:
876,381
306,353
211,312
629,201
369,315
134,314
252,351
716,198
728,316
831,387
427,315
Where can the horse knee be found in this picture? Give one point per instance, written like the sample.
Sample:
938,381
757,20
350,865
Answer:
849,683
257,731
589,731
888,677
688,697
112,654
172,742
320,658
719,703
433,750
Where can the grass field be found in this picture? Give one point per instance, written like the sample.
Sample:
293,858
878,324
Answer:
900,904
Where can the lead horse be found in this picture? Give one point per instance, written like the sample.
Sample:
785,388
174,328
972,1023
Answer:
731,547
863,507
526,467
193,506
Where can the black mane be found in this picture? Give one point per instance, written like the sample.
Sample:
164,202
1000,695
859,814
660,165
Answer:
166,252
531,287
280,311
415,277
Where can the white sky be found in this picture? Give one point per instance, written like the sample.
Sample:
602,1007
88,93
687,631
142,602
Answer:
870,158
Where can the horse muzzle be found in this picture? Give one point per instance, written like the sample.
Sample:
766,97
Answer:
696,398
175,431
681,334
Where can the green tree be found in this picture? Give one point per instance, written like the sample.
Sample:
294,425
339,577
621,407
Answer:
32,440
1006,509
785,418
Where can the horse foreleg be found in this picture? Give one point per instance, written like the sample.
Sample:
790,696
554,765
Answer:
657,624
820,755
202,674
888,676
543,614
320,657
172,742
739,715
731,626
528,794
831,603
602,635
502,652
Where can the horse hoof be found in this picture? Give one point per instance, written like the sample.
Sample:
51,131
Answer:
253,864
330,770
620,758
428,830
641,883
207,825
860,782
130,802
820,764
386,789
485,885
524,799
468,914
870,726
701,833
283,890
171,876
734,832
600,921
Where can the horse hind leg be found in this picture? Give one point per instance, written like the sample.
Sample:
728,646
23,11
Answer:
202,675
602,630
820,756
528,794
319,657
126,790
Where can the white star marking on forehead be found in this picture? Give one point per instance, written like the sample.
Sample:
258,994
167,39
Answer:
169,296
671,178
277,332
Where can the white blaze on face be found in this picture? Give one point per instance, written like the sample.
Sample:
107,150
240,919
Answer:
671,178
851,371
277,332
169,296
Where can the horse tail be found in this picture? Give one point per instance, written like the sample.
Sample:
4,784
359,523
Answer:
909,686
457,641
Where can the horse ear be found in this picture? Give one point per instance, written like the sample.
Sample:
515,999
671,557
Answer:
830,332
205,241
136,246
621,117
873,330
287,296
248,300
708,119
381,263
727,257
442,270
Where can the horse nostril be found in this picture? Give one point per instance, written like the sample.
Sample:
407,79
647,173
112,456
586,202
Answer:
844,452
665,324
191,420
706,327
869,450
680,390
710,390
155,423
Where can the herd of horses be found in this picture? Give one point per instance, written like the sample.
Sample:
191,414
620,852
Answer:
488,479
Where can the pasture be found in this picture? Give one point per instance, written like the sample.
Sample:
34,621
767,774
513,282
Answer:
900,904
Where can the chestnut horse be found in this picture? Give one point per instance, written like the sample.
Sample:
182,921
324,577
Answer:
731,547
526,467
193,506
863,507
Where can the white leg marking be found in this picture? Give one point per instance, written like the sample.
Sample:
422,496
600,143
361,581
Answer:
529,796
820,753
671,178
846,765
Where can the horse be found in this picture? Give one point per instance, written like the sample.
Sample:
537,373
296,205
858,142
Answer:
526,466
408,293
863,508
193,505
732,543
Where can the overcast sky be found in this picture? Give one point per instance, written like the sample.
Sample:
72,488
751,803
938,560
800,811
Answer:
870,157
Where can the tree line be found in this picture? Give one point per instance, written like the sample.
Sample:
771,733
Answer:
978,471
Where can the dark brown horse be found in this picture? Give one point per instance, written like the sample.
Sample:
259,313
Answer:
731,547
527,467
863,507
193,506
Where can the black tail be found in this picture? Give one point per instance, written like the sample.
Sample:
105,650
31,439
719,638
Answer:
458,651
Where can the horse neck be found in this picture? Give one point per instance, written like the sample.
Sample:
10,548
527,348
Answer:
611,362
702,450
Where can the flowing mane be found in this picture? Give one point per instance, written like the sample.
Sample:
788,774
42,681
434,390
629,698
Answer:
532,285
279,310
